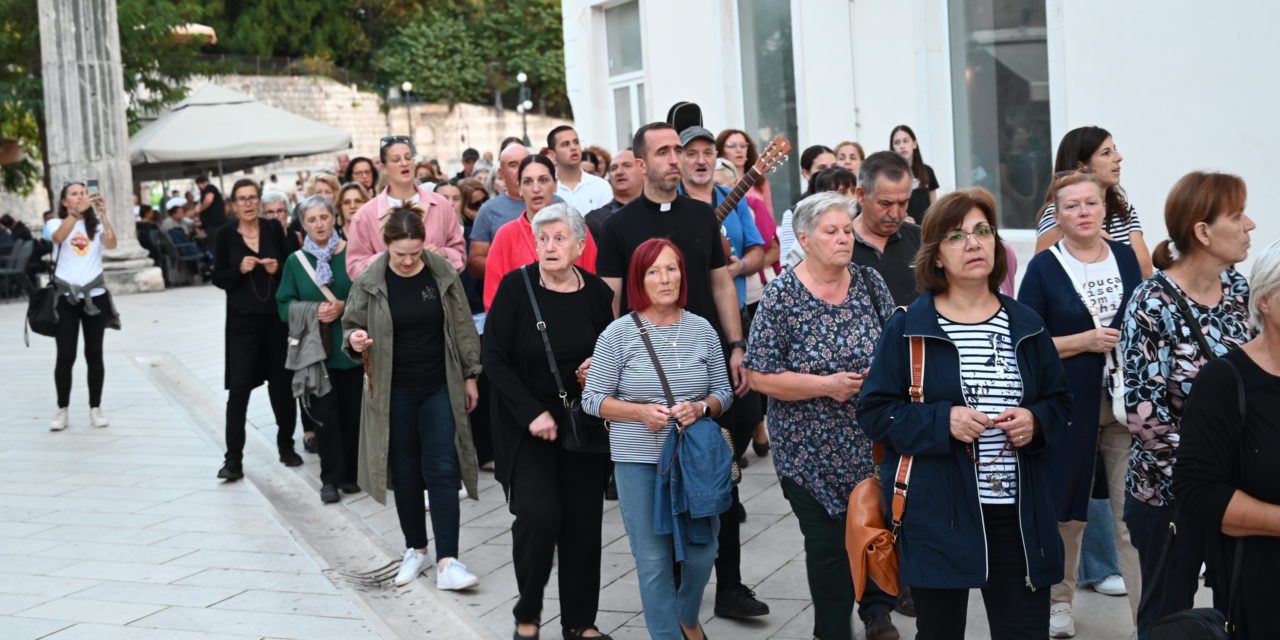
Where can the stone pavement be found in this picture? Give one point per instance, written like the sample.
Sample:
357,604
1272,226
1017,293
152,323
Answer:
125,533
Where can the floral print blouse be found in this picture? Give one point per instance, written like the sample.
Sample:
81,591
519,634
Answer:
1161,359
817,443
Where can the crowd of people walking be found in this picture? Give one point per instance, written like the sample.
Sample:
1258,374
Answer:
643,328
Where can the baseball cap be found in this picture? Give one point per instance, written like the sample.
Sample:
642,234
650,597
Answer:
470,154
693,133
175,202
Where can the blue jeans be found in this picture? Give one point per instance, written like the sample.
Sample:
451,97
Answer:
664,604
423,457
1098,559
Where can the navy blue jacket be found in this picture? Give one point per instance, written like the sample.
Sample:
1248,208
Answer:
1048,290
943,540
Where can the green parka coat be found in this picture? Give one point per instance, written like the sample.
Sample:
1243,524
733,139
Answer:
367,309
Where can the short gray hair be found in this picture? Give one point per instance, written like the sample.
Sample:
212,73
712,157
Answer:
274,196
807,211
312,202
881,163
561,212
1264,282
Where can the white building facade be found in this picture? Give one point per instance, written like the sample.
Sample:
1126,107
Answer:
988,86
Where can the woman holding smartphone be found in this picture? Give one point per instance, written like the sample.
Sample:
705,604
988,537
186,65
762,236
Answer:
80,233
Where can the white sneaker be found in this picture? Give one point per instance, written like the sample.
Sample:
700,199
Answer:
411,566
1060,623
59,420
98,418
1112,586
462,493
455,577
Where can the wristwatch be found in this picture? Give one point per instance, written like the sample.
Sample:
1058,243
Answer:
706,409
738,344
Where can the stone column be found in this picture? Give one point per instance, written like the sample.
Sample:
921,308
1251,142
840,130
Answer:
88,135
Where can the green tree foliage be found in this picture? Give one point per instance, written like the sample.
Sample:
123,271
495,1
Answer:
438,55
328,30
156,67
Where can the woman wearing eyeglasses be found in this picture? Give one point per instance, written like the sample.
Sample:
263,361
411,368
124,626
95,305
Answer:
247,257
979,507
364,237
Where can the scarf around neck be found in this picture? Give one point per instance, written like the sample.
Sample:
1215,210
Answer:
324,273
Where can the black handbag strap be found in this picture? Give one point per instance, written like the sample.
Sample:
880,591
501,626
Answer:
1193,322
871,293
653,355
1177,511
546,341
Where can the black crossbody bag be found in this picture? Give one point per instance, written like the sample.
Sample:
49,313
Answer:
584,432
1200,623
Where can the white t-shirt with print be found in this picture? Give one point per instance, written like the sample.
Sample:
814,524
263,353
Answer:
79,257
1103,286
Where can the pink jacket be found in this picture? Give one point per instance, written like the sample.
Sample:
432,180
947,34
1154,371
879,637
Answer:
364,234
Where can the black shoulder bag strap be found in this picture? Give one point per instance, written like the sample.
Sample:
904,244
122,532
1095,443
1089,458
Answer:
666,387
1193,322
653,355
546,342
1173,525
871,293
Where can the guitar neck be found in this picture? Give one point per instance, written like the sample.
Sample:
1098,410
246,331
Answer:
739,190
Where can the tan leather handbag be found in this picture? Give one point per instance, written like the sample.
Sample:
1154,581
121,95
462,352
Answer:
869,544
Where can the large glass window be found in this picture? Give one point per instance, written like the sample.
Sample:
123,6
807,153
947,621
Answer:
769,87
1000,91
626,69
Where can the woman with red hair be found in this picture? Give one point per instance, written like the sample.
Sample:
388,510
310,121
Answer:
624,387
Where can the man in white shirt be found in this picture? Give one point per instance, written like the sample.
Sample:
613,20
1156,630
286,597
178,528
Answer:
581,190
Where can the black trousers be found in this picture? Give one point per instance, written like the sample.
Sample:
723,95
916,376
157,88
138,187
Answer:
337,419
481,433
72,318
1176,590
1014,611
255,347
557,498
827,567
741,420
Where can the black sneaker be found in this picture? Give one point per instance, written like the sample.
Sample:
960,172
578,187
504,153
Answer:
880,627
310,445
231,471
737,601
328,494
291,458
906,604
349,487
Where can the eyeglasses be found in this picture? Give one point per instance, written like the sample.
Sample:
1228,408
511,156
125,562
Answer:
246,199
737,146
959,238
476,204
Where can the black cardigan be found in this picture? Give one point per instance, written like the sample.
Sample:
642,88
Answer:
245,291
516,362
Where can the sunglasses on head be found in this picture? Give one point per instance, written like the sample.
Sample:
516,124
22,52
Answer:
1062,174
390,140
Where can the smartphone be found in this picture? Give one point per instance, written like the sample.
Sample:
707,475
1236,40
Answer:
92,187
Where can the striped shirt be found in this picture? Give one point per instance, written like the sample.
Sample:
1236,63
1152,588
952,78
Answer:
992,384
691,358
1118,229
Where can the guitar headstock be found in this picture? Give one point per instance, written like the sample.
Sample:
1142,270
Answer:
773,155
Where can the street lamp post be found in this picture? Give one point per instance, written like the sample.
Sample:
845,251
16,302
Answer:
407,88
524,104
